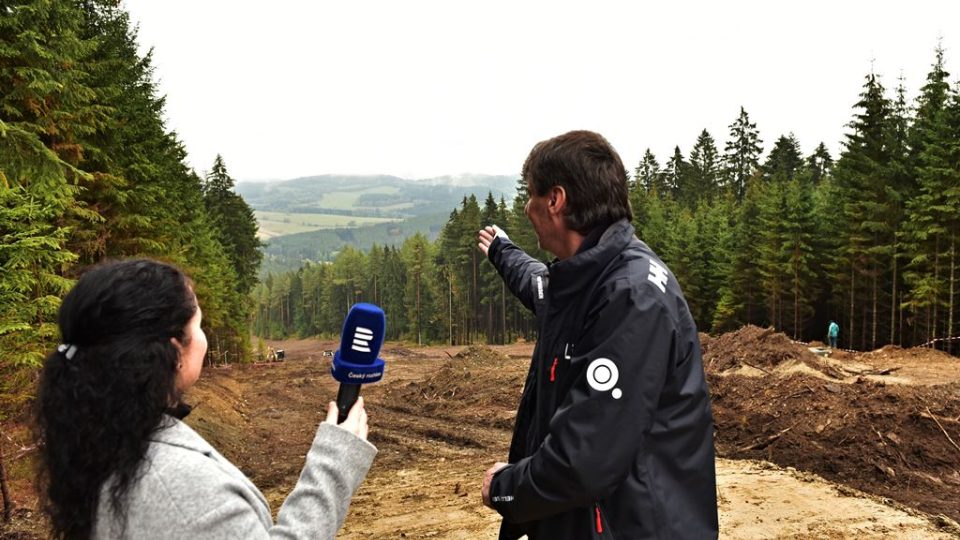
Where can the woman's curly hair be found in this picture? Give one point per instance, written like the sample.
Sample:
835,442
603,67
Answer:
99,403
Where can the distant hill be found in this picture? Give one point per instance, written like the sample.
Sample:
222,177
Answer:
422,205
373,196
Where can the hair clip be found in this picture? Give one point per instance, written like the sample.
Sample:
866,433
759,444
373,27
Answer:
67,350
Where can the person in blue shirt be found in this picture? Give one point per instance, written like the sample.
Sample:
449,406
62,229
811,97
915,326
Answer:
833,332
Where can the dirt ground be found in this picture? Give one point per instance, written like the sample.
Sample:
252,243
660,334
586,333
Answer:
849,446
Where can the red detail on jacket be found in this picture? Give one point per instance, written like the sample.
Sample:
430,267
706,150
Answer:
553,370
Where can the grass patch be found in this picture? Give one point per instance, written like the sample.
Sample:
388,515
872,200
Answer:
346,199
274,224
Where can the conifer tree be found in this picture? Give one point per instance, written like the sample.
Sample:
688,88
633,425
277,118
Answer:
676,175
819,163
419,292
933,214
235,223
648,176
785,159
799,252
861,176
740,295
704,169
741,155
772,260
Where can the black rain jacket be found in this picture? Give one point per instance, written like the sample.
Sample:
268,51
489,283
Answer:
614,433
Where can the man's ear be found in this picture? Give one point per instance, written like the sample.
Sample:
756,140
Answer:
557,199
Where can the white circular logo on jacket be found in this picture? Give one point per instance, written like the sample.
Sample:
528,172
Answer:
602,375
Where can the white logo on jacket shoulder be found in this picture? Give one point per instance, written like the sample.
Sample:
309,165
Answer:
602,375
659,276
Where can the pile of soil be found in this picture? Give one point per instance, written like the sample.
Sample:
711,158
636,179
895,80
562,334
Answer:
480,354
751,346
478,384
401,352
893,440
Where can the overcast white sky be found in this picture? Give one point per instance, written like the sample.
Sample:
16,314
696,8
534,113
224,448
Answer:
426,88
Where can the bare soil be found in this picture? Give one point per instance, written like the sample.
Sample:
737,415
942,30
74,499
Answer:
846,446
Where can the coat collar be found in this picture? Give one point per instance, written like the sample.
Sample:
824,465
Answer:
176,433
569,277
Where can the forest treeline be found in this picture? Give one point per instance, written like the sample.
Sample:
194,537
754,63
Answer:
88,171
788,240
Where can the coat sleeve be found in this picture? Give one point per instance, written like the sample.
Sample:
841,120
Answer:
216,505
336,465
518,270
595,436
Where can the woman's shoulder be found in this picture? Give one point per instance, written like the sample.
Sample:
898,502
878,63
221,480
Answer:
178,454
184,481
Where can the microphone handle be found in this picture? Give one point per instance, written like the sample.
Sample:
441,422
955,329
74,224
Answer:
346,397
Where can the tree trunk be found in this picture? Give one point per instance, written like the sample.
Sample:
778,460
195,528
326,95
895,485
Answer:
419,332
796,301
853,281
873,333
474,296
953,265
503,309
450,313
7,503
936,283
893,296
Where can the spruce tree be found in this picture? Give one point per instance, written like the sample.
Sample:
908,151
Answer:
861,175
932,215
741,155
648,176
704,169
819,163
236,225
799,254
784,160
676,176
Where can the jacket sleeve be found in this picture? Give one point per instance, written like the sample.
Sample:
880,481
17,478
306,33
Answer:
336,464
595,436
518,270
335,467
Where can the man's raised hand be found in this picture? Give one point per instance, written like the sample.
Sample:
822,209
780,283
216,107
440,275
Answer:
486,235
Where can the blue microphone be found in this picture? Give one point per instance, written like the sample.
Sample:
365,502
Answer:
356,361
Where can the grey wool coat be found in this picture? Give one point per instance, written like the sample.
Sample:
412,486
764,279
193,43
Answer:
188,490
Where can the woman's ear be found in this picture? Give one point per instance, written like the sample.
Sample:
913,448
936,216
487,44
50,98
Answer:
179,346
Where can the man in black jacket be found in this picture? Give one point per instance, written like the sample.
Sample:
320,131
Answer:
614,434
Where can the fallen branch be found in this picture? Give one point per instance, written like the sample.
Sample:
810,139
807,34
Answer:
22,452
807,390
448,354
943,430
766,442
755,367
874,371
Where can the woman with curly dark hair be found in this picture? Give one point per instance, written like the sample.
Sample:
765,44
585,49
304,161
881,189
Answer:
116,459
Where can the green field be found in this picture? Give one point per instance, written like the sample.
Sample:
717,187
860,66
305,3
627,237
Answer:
347,198
274,224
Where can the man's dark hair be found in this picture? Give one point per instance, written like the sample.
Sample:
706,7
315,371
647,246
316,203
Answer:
590,171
